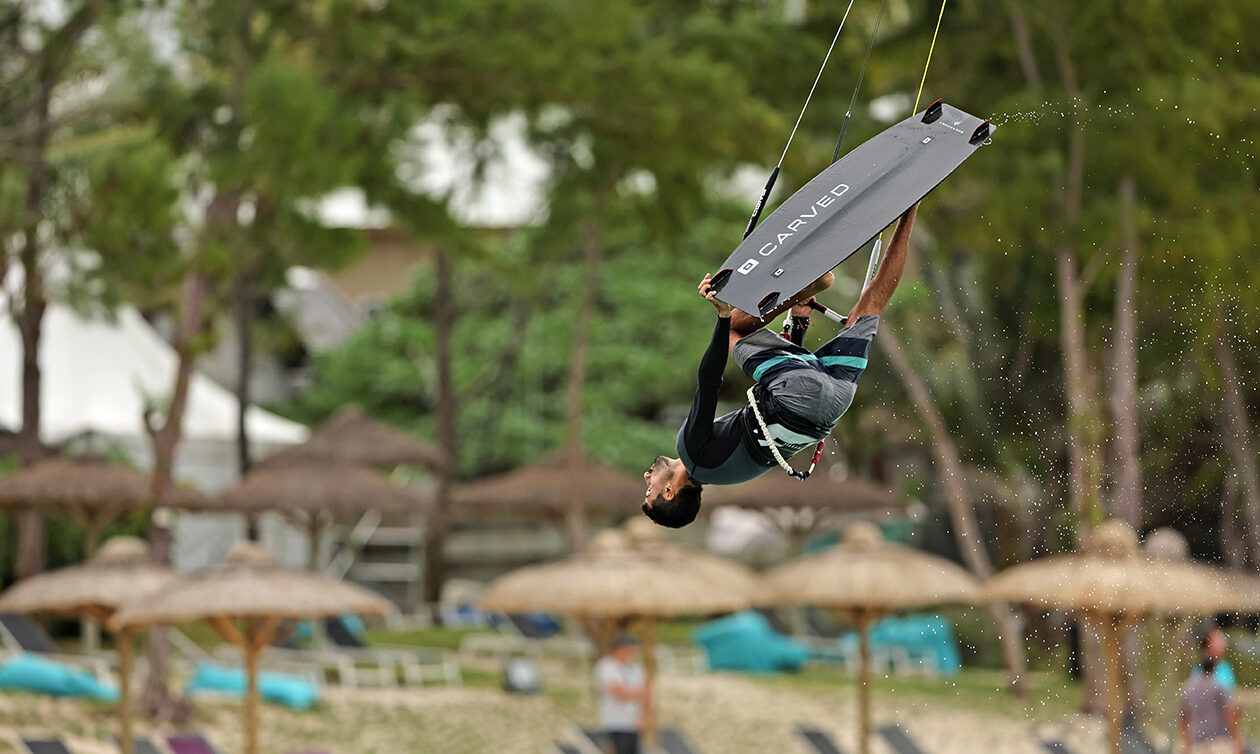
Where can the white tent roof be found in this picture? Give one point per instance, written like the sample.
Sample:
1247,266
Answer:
97,376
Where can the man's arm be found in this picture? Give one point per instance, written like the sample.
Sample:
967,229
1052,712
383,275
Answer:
698,429
877,295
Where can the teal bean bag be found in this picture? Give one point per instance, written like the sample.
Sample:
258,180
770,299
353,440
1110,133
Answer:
28,672
745,641
288,690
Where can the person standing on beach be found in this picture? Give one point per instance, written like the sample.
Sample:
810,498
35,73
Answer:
623,696
1209,722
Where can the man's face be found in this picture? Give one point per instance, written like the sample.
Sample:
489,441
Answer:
1217,644
623,654
657,477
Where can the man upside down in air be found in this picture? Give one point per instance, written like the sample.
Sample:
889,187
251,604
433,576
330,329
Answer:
801,395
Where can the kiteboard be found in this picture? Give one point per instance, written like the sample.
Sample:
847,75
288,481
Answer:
847,205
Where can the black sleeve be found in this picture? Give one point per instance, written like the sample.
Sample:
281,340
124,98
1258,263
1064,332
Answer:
799,324
698,429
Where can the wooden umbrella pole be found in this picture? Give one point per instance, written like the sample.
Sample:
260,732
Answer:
92,526
252,650
651,734
126,650
863,620
314,527
1109,627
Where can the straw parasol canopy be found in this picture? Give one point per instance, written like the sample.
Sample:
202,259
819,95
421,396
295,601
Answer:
1110,583
547,487
351,438
613,581
311,497
244,599
121,571
91,490
1111,576
864,578
26,450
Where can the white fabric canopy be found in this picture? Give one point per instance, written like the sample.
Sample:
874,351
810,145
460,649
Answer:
98,375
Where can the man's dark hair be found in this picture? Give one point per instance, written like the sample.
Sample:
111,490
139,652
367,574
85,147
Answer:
678,512
1208,665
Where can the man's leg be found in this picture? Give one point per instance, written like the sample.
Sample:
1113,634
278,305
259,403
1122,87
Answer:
743,323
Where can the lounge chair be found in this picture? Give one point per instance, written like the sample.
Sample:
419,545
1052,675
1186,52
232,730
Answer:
22,633
1133,741
341,636
190,743
674,742
818,741
44,745
563,748
1054,747
899,740
146,746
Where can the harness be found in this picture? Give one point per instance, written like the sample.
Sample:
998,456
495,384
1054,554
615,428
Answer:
774,446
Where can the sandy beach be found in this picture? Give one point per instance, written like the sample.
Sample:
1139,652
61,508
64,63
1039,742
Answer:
722,714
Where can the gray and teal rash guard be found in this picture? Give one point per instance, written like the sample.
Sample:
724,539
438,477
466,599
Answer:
729,449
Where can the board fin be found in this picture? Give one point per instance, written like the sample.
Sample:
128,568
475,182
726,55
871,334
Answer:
980,134
932,112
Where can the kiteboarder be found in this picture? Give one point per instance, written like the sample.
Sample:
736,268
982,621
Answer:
799,395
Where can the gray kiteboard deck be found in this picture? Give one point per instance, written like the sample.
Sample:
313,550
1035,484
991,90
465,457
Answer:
847,205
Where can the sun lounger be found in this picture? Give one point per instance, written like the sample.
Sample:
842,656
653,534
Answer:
1054,747
563,748
44,746
818,741
899,740
190,743
341,636
673,742
146,746
1133,741
21,633
26,635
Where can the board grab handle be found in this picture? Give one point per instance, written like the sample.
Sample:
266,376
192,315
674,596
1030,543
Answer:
830,314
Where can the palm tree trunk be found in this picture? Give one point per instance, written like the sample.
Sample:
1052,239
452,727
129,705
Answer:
576,383
1237,438
242,310
966,530
157,701
448,437
1127,497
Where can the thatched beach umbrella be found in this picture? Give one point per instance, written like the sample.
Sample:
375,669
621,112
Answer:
864,578
352,439
92,492
311,497
548,486
1111,584
89,489
614,582
121,571
244,598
